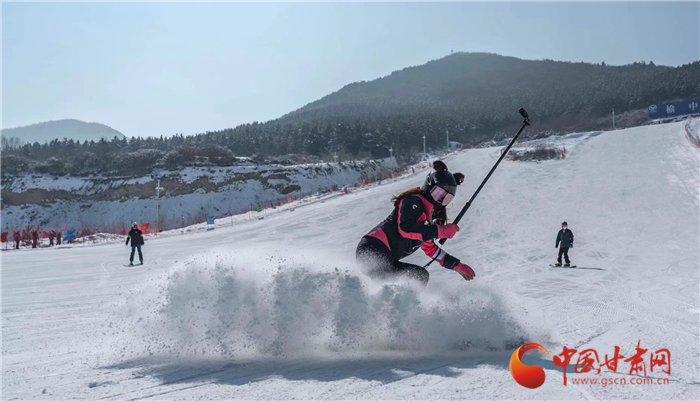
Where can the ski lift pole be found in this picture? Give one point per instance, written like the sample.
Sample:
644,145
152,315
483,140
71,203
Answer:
526,122
158,191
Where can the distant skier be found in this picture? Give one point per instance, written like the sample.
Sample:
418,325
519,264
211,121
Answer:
35,238
136,237
412,224
565,240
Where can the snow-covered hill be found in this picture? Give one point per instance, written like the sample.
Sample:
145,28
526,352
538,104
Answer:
59,129
274,308
189,194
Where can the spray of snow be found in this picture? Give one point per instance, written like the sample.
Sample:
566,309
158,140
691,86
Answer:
241,306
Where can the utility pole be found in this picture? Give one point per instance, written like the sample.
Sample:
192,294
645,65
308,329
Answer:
447,134
425,154
158,189
613,118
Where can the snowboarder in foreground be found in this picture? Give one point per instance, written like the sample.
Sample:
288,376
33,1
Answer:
136,237
565,240
417,220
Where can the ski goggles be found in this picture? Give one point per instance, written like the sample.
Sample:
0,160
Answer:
442,195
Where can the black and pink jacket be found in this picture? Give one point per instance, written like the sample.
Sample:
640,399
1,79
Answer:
409,227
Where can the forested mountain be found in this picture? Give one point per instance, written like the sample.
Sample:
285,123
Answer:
474,96
483,90
69,129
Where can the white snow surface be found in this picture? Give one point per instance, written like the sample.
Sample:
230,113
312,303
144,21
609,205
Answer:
276,309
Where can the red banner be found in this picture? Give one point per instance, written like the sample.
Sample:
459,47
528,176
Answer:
144,227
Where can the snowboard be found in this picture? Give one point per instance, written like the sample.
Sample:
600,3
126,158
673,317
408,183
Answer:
577,267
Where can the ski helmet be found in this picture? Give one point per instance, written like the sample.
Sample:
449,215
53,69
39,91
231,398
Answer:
441,185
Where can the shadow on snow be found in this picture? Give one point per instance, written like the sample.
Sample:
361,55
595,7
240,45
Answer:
384,369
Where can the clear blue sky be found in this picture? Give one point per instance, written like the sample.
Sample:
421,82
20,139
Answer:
152,69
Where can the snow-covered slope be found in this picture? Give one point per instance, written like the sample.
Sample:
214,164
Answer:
189,194
274,309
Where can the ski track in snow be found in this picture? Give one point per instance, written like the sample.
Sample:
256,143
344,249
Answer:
274,308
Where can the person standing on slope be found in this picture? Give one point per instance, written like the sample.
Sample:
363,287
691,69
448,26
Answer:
417,220
565,240
136,237
35,238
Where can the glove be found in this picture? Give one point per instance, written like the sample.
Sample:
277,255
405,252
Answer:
447,230
464,270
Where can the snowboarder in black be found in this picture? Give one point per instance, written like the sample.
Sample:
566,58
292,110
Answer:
136,237
565,240
417,220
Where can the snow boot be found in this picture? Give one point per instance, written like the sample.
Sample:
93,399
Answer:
566,265
557,264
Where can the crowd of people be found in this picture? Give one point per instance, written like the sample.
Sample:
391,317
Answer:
33,237
30,237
